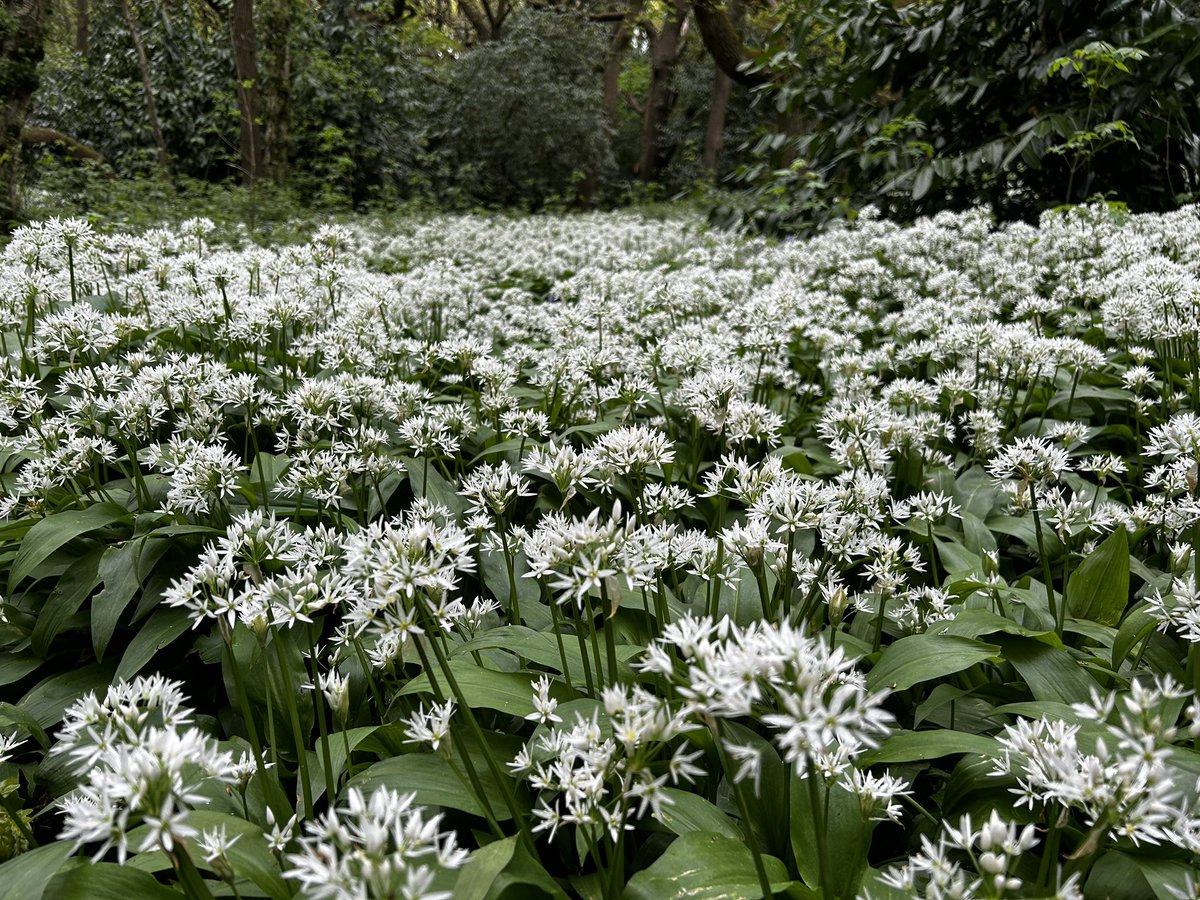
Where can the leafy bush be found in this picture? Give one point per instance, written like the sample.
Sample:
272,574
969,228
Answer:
527,122
923,106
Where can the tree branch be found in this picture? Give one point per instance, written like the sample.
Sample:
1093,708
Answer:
724,44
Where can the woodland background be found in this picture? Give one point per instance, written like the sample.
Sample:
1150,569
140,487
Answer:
781,114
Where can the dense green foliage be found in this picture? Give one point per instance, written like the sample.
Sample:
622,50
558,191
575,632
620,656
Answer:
940,104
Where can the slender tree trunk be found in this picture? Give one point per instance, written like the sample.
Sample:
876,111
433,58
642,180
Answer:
21,34
81,26
245,57
277,18
714,130
135,35
665,46
616,54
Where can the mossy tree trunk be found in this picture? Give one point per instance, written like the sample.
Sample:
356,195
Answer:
22,30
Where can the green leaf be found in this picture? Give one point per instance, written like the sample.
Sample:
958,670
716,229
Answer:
973,623
73,588
923,657
483,868
509,692
847,834
57,530
1135,627
1099,589
15,666
1167,878
687,812
500,865
12,715
106,881
704,866
163,627
435,783
47,700
250,855
1051,674
25,877
910,746
123,567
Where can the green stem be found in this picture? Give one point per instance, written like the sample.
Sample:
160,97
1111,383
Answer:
820,814
744,809
289,701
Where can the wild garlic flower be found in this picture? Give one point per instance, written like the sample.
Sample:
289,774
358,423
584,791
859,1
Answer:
491,489
1125,788
604,772
1031,461
379,847
812,698
969,861
1178,608
140,763
576,557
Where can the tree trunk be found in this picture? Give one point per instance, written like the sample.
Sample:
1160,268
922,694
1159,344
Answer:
664,56
245,58
277,18
81,27
21,34
135,35
616,53
714,130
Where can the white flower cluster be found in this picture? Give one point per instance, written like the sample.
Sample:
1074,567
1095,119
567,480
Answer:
380,847
141,762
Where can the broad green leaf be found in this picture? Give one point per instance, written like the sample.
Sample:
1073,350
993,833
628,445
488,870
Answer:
25,877
973,623
15,666
1115,876
911,746
705,866
48,699
918,658
1099,589
686,812
500,866
106,881
123,568
1051,674
163,627
483,868
1168,878
250,855
1134,629
435,783
68,595
509,692
57,530
958,561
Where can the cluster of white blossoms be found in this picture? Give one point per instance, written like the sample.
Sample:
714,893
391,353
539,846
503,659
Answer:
141,762
1119,775
812,698
381,847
